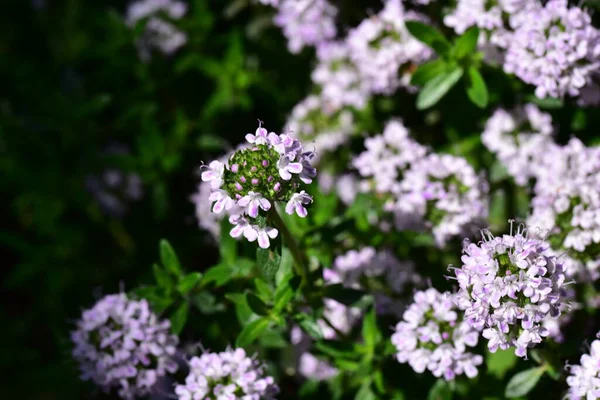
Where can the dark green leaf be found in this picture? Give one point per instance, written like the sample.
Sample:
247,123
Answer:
189,282
256,304
429,35
370,331
220,274
336,349
242,309
341,294
162,277
179,318
500,362
436,88
466,44
440,391
476,88
251,332
227,244
523,382
207,303
168,258
427,71
283,296
263,289
268,260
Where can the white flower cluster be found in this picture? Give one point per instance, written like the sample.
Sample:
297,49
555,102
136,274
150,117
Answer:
121,343
381,47
159,33
584,378
508,286
432,336
226,376
566,206
520,140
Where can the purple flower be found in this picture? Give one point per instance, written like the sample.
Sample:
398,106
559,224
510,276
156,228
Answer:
253,201
214,174
287,167
222,201
262,234
297,202
584,378
115,342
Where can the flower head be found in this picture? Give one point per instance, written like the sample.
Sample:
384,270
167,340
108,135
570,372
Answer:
584,378
121,343
433,336
508,285
229,374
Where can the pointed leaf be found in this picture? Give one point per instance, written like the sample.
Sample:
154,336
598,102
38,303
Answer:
429,35
168,258
436,88
257,305
476,88
523,382
189,282
162,277
179,318
440,391
251,332
268,261
467,43
427,71
370,331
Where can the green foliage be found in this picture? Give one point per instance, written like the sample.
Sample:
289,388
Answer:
523,382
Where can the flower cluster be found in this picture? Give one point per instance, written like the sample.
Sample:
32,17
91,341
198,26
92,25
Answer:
519,140
584,378
328,132
383,50
441,193
508,285
566,206
120,343
306,22
381,271
308,365
271,169
339,80
159,33
432,336
345,186
556,50
230,374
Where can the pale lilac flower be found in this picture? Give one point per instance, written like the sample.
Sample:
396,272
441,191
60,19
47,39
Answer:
253,201
306,22
433,337
222,201
287,167
508,286
213,173
121,344
262,234
584,378
227,375
158,33
297,202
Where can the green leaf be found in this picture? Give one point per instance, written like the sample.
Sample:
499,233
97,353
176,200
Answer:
341,294
523,382
476,88
370,331
500,362
189,282
336,349
436,88
549,103
309,325
227,244
179,318
440,391
268,260
162,277
467,43
283,296
219,274
242,309
429,35
251,332
257,305
168,258
365,392
427,71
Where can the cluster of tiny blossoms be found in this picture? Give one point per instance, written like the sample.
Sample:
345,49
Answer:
584,378
230,374
433,336
508,286
305,22
520,139
381,271
271,169
159,33
383,50
566,206
120,343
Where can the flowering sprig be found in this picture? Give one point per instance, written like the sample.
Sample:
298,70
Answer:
120,343
433,336
508,285
584,378
271,169
229,374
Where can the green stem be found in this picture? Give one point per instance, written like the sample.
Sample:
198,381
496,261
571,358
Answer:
289,240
